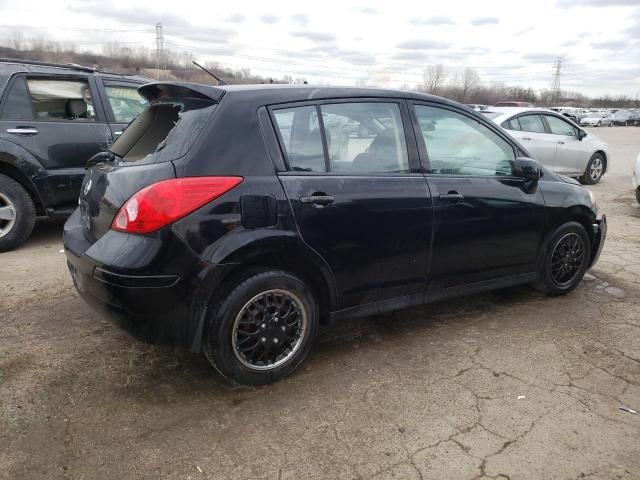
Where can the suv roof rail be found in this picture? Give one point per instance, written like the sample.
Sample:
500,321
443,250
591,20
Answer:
72,66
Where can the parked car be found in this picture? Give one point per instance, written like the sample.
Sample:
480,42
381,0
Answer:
573,114
226,220
625,118
596,119
53,118
477,106
556,142
510,103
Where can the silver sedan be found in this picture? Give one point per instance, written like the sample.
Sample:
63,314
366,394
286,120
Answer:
595,119
555,141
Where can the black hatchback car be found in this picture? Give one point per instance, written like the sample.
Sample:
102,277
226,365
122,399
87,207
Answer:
53,118
234,220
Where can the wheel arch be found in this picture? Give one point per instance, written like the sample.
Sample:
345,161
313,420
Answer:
18,164
277,251
605,158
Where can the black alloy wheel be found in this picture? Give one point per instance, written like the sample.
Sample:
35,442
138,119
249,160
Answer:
567,259
269,329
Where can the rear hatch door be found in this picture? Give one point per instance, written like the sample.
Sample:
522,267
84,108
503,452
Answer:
165,131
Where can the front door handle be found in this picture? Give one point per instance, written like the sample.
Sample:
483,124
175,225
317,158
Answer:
525,138
320,200
23,130
452,196
118,133
560,143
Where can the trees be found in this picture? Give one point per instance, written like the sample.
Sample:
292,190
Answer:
434,77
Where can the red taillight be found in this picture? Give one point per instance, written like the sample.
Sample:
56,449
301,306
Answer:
162,203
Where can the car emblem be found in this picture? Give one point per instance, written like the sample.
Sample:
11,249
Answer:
87,187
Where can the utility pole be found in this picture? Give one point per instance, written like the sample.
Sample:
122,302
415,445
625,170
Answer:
159,49
556,93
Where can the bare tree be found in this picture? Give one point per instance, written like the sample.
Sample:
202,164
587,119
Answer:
16,40
466,83
434,77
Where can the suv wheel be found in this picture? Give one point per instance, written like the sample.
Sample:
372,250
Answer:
17,214
262,330
564,259
594,171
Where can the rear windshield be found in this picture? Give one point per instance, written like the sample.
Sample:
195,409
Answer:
164,131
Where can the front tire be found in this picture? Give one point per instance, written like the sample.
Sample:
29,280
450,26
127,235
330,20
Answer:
262,330
594,171
564,260
638,194
17,214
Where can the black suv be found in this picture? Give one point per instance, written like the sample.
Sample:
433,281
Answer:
234,220
53,118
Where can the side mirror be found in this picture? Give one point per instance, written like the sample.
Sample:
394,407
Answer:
581,134
526,168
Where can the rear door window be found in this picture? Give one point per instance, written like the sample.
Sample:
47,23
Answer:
365,137
164,131
61,100
17,102
359,137
531,123
125,102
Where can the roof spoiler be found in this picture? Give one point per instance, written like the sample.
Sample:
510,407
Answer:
156,90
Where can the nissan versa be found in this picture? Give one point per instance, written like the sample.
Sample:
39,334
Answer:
235,220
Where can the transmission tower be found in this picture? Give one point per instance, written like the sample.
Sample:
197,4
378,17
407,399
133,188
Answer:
159,49
555,81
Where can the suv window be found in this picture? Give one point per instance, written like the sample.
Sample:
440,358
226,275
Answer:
559,126
531,123
365,137
66,100
460,145
126,103
17,103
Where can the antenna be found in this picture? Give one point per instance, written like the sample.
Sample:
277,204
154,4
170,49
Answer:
159,49
220,81
556,93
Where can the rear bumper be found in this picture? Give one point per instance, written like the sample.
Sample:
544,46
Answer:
599,234
143,284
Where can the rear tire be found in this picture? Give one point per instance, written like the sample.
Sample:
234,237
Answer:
594,171
17,214
564,260
599,124
262,330
638,194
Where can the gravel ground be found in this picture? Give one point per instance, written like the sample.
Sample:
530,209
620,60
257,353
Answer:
509,384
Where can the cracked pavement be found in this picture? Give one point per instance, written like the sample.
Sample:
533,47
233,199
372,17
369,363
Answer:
504,385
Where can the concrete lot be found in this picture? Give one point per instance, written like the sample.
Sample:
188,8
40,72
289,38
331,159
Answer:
509,384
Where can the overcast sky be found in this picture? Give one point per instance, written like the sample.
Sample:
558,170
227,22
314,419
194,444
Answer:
385,43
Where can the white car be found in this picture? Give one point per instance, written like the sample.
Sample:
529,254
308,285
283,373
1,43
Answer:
555,141
597,119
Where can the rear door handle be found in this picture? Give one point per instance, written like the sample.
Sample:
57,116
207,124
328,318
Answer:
453,197
319,200
560,143
117,134
23,130
526,138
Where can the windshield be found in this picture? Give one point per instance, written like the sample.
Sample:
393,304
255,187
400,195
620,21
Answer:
164,131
